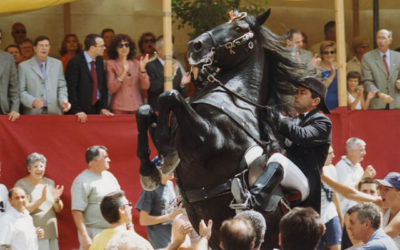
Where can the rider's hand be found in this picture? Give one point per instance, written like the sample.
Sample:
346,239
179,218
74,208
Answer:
273,115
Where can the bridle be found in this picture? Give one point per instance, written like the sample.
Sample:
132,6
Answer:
244,39
240,41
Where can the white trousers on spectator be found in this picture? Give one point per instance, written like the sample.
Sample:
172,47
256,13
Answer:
293,177
48,244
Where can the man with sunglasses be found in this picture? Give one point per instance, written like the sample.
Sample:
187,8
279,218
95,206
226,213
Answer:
146,44
18,32
360,47
116,210
9,93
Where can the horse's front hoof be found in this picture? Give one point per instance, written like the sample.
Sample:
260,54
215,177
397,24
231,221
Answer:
151,182
170,162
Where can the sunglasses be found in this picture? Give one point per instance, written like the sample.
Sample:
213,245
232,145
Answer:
19,31
121,45
329,52
149,40
128,204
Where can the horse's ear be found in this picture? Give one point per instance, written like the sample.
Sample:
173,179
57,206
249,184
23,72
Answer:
263,17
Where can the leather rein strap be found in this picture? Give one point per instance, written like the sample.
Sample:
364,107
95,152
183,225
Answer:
242,124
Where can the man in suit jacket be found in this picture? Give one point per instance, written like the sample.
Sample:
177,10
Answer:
9,93
155,71
381,73
84,72
41,82
308,138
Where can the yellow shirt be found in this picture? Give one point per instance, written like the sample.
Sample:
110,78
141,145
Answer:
101,240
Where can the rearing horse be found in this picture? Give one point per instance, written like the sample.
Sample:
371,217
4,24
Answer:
243,68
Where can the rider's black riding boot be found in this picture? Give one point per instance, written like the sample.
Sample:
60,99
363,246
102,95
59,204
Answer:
265,183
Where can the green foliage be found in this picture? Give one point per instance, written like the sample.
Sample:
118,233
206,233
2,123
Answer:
203,15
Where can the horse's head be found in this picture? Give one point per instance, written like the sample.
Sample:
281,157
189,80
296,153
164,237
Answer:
228,44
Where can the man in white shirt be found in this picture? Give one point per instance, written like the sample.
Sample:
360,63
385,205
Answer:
17,229
349,170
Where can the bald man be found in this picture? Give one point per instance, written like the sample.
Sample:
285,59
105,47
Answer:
17,229
380,72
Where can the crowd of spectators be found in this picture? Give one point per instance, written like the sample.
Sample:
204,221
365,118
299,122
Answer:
378,85
128,78
103,217
105,76
102,76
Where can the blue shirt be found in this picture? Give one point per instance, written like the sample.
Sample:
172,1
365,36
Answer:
380,241
332,92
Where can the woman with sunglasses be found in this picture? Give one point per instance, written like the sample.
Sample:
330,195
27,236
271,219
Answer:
329,73
125,74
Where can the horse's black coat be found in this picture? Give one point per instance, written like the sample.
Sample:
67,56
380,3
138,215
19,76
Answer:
211,143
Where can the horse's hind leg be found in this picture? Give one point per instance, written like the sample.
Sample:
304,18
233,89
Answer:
150,177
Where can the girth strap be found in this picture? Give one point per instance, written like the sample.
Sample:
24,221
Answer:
205,193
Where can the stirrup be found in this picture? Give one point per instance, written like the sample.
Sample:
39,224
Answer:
240,206
241,197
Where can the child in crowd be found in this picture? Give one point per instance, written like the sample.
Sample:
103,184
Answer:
355,92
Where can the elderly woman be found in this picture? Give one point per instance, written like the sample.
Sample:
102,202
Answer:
44,199
125,74
329,72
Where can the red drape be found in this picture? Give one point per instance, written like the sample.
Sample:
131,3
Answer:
64,141
378,128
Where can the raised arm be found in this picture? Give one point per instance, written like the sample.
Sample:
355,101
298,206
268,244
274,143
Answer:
349,192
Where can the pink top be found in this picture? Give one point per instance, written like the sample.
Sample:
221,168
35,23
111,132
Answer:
126,95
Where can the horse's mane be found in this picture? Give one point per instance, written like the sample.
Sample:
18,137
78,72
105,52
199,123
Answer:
284,72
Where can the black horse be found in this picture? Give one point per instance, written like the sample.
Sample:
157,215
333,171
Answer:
242,70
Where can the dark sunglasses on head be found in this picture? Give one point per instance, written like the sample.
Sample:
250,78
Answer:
19,31
329,52
121,45
149,40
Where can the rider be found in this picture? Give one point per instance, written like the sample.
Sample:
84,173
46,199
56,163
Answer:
307,140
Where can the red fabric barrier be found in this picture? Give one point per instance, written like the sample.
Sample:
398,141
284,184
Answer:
378,128
64,141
